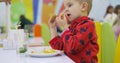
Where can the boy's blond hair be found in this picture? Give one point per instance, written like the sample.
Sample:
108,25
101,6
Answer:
89,5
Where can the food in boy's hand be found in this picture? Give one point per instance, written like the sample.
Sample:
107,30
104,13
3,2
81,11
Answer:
62,16
53,18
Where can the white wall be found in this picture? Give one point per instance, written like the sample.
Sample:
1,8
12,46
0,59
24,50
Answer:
99,8
3,14
97,12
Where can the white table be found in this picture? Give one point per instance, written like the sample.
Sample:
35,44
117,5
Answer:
10,56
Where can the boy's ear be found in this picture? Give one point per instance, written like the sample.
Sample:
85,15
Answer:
84,6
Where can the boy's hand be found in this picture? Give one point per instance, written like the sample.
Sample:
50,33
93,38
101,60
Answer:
62,21
52,22
52,26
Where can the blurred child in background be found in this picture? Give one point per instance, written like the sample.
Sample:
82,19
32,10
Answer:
116,24
6,1
110,16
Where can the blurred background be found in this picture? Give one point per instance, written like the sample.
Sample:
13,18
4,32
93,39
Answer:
38,11
33,12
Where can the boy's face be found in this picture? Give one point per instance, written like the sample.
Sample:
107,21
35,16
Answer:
72,9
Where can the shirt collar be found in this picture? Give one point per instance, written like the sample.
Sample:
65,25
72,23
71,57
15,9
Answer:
79,20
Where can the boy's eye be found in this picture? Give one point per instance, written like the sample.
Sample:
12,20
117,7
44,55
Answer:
69,5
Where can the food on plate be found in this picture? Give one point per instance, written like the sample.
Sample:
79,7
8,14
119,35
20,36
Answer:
33,52
49,51
45,51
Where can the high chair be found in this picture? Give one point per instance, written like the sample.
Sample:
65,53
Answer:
45,33
98,31
117,52
108,43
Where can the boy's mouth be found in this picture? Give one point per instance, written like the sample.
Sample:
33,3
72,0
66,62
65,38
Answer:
68,15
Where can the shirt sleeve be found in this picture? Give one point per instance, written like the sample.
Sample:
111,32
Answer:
83,34
56,43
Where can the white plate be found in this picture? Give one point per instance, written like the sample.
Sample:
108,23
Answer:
38,52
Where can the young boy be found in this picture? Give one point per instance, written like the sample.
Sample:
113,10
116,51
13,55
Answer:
79,41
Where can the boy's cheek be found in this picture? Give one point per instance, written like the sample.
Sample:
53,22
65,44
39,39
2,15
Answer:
68,21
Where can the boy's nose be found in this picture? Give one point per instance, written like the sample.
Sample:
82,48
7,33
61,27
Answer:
66,10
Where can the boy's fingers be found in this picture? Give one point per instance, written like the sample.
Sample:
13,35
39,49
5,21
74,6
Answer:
65,17
52,18
57,19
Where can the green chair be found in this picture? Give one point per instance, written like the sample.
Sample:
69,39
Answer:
98,31
117,52
45,33
108,43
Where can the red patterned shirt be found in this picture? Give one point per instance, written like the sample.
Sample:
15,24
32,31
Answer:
79,42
